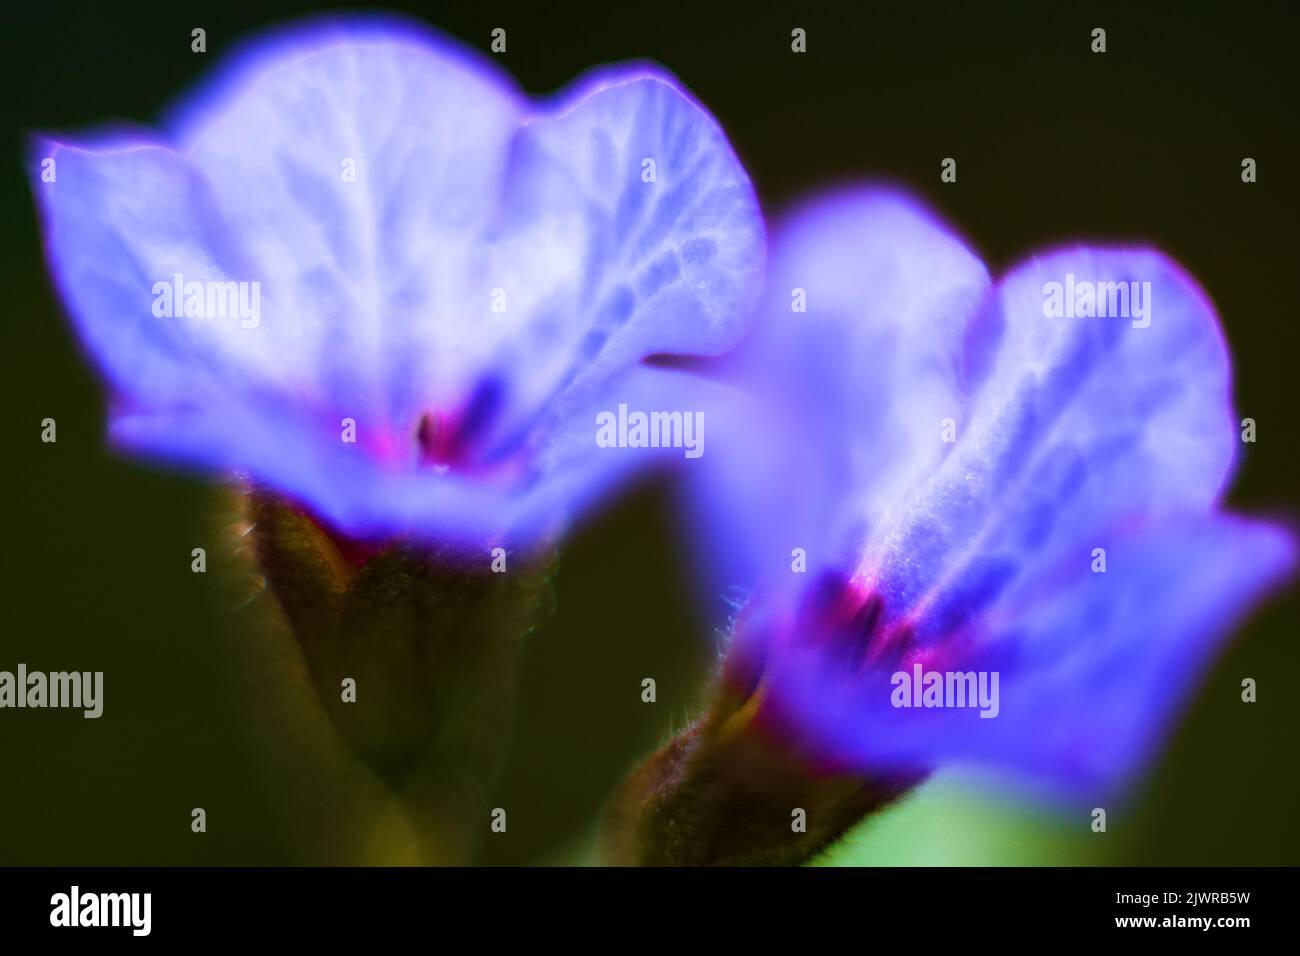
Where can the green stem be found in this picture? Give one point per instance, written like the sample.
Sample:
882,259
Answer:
728,791
414,657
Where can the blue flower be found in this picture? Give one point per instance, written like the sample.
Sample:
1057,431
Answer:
1016,483
364,270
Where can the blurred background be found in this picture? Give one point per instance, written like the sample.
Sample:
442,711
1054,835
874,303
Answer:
1052,142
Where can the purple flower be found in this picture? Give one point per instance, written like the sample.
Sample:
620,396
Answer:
997,483
363,269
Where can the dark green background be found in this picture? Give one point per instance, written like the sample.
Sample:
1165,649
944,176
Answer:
1052,142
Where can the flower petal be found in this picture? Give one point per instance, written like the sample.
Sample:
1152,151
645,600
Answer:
362,166
632,231
854,363
429,252
120,223
1092,667
1078,423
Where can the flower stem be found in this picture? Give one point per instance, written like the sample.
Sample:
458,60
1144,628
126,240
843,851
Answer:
729,791
413,655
